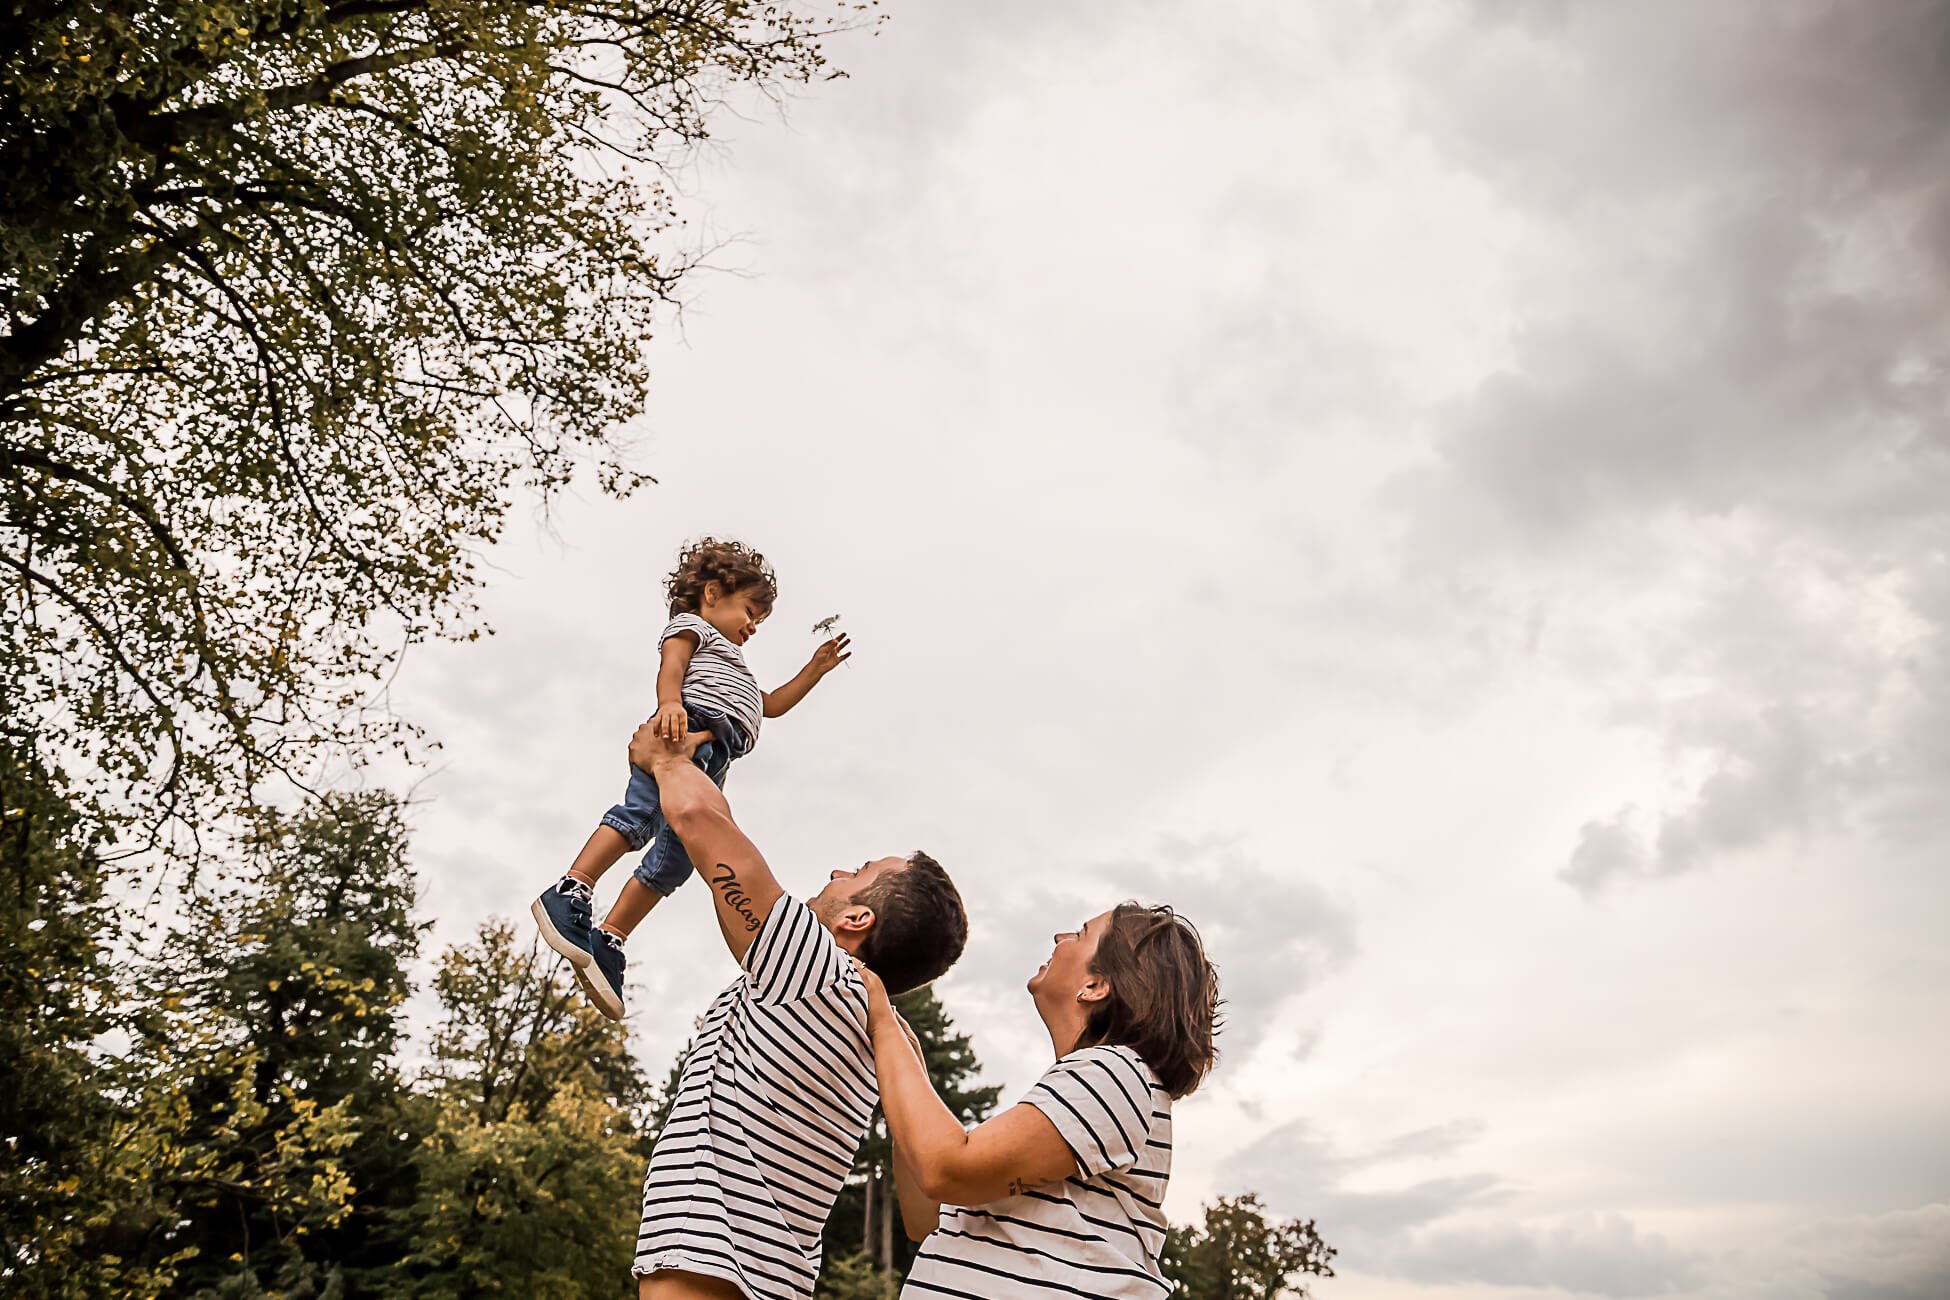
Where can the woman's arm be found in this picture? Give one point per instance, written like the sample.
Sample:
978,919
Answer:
1001,1157
920,1213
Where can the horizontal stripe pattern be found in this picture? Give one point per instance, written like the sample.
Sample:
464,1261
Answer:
770,1109
717,677
1096,1234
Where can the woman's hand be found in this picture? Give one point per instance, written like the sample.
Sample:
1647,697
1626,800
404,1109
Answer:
880,1007
672,722
830,655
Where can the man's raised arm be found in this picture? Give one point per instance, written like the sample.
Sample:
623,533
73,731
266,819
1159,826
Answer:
743,888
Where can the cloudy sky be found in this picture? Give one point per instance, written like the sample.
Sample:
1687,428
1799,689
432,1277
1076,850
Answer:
1455,497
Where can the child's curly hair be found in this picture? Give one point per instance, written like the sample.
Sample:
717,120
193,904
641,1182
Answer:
734,566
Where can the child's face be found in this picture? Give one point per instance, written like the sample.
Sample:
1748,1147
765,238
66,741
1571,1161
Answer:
736,614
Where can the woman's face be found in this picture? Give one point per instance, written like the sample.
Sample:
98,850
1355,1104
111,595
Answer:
1067,972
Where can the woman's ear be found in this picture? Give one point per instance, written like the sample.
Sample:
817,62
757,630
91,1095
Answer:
1095,989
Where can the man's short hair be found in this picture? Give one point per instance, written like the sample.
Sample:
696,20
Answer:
919,925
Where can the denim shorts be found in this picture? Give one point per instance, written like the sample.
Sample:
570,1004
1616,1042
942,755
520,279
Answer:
640,820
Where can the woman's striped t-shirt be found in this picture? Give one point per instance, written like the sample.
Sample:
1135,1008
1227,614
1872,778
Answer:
717,676
770,1108
1097,1233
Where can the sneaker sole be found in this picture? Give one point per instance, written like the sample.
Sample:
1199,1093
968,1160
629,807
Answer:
578,956
598,991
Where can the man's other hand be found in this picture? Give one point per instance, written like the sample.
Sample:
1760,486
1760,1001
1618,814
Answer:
649,748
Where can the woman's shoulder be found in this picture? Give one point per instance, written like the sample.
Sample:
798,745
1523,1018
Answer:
1115,1059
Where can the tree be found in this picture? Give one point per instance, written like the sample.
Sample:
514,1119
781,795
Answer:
262,1116
55,980
1237,1253
528,1182
295,294
866,1246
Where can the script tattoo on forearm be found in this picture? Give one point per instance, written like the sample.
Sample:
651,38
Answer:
735,897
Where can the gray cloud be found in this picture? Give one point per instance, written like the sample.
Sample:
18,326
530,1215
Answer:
1596,1254
1299,1171
1744,392
1900,1256
1271,934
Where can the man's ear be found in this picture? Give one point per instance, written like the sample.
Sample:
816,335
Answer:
855,919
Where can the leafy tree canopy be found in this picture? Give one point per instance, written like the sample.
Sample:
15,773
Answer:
295,296
1238,1253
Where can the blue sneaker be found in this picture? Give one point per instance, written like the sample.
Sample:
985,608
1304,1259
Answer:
604,983
563,914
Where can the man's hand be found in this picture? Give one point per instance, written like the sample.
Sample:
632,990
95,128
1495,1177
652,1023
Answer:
743,889
649,747
830,655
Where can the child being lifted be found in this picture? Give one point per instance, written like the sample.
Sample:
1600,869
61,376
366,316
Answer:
719,594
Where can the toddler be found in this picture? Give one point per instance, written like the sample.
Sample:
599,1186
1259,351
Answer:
719,593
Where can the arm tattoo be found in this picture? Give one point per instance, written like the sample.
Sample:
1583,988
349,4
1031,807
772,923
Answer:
1017,1187
735,898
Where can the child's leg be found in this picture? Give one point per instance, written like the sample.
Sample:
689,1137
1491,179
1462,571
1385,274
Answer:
627,826
665,864
604,850
630,907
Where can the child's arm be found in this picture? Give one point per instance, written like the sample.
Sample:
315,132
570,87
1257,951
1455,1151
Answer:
671,721
830,655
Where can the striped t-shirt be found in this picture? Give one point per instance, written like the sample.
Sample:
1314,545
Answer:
770,1109
717,677
1097,1233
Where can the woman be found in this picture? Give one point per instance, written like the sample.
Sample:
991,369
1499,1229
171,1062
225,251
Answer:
1063,1192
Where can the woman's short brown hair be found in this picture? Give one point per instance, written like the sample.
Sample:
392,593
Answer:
1164,995
734,566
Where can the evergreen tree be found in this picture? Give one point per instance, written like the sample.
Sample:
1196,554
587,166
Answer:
260,1097
1237,1253
56,1175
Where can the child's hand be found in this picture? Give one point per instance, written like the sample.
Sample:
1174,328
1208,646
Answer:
831,655
672,722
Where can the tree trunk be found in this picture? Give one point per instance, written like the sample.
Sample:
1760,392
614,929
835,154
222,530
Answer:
887,1230
866,1231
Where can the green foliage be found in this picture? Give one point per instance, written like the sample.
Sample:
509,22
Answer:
857,1276
294,296
261,1096
529,1183
55,982
1237,1253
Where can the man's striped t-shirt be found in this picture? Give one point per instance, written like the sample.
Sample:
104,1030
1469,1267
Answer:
770,1109
717,676
1097,1233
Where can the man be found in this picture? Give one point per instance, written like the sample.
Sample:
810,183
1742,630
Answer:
780,1083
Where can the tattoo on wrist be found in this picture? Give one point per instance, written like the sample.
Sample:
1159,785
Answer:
735,897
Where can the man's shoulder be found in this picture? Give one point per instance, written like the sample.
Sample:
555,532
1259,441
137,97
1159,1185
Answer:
794,956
